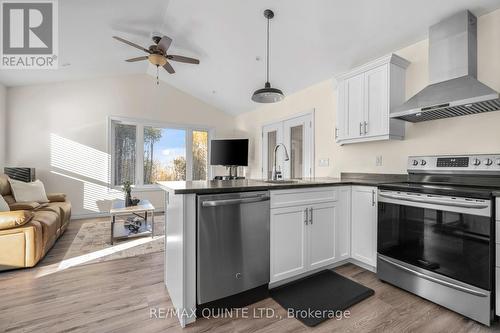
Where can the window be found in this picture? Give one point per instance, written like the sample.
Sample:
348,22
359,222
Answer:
125,153
145,153
164,154
200,155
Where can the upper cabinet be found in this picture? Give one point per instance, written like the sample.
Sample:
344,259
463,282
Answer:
365,98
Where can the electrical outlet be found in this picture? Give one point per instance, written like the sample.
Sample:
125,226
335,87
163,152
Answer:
324,162
378,160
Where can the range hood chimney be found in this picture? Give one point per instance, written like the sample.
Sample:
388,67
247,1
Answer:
454,90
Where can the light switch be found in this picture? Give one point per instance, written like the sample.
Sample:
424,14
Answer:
324,162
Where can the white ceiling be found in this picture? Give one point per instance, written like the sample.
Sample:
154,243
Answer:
310,40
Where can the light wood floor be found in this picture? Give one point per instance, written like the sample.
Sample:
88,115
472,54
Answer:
116,296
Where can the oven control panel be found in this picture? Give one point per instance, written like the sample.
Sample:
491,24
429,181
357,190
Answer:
481,163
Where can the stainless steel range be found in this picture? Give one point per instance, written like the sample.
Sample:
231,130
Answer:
436,232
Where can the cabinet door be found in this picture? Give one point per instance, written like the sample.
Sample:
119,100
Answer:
343,234
376,120
288,236
354,107
364,224
321,231
341,128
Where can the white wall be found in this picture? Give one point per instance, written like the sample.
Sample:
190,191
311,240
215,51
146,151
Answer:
49,123
3,119
469,134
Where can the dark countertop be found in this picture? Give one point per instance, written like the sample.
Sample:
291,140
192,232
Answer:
243,185
496,193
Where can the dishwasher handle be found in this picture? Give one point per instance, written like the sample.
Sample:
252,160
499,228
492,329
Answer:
225,202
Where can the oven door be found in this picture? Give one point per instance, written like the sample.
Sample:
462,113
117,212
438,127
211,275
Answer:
445,235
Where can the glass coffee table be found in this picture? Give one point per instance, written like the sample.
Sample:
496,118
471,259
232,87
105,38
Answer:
141,211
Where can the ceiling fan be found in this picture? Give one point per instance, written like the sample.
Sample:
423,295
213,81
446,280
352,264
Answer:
157,54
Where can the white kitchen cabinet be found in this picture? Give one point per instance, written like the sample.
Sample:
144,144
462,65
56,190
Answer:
365,98
322,229
288,242
304,227
364,224
343,234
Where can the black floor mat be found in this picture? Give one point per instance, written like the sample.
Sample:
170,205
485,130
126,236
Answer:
325,291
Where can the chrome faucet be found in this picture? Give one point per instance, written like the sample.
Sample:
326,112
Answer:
276,174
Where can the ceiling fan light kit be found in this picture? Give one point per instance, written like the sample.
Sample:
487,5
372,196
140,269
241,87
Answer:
268,94
157,60
157,54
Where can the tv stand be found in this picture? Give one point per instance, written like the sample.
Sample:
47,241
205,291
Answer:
233,174
228,177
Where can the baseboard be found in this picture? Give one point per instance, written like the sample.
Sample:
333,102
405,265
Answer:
363,265
101,214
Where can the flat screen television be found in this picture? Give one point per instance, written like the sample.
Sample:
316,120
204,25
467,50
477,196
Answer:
232,152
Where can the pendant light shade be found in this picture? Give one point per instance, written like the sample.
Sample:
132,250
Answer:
268,94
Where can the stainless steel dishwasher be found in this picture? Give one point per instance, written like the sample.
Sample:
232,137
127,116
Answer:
232,244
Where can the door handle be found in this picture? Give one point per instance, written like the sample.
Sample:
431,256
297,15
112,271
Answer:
215,203
366,125
306,213
311,215
373,197
433,279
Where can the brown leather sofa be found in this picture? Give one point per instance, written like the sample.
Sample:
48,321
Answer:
30,229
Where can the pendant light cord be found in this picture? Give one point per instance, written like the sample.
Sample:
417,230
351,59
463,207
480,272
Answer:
267,65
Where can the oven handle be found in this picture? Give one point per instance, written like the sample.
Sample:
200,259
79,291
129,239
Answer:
436,202
433,279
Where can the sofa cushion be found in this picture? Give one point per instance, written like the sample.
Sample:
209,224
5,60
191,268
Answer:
14,219
63,209
50,223
4,206
24,206
28,192
9,199
4,185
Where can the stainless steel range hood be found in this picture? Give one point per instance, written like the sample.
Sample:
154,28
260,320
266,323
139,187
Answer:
454,90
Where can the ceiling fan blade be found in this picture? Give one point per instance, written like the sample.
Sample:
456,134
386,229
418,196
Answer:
137,59
131,44
164,43
169,68
183,59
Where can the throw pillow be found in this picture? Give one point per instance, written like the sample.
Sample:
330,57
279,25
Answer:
28,192
4,207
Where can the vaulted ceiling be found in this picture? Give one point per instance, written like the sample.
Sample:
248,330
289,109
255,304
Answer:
310,40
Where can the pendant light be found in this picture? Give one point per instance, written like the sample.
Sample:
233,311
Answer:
268,94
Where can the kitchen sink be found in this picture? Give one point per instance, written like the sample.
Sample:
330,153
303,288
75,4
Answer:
282,181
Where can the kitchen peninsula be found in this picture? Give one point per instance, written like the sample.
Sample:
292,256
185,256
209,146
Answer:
330,208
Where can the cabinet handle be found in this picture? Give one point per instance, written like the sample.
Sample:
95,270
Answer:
336,133
311,215
366,125
373,197
360,128
306,212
